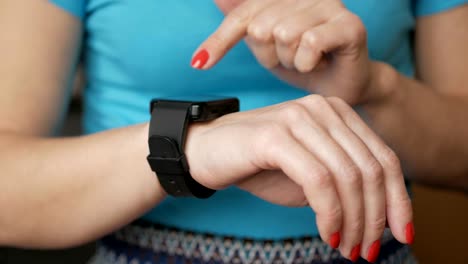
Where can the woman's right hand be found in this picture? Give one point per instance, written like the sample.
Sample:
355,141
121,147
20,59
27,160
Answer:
312,151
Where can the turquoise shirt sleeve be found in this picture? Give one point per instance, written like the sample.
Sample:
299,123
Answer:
429,7
75,7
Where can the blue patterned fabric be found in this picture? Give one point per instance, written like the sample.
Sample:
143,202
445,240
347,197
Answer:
145,244
135,50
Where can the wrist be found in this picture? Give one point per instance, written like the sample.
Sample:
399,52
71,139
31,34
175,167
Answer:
171,130
192,153
388,94
383,84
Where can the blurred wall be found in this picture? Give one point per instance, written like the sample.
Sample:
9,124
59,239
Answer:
441,223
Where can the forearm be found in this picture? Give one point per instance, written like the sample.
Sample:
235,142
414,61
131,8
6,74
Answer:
62,192
428,130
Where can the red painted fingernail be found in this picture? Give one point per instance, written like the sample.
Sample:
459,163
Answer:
355,253
200,59
335,240
409,231
373,251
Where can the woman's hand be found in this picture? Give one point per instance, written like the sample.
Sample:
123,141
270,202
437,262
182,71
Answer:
317,45
312,151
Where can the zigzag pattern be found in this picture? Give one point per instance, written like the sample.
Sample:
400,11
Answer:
225,249
182,247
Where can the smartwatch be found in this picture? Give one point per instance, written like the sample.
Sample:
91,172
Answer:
167,133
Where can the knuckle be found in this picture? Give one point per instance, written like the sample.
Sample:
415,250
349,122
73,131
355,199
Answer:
351,175
400,202
356,226
390,160
356,30
342,108
267,138
281,33
310,40
315,100
319,104
374,172
406,204
377,224
321,179
337,101
258,32
294,112
334,214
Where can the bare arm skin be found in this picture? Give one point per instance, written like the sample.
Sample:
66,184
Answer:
426,120
59,192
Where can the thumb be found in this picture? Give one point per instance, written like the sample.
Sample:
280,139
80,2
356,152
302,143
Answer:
231,31
227,6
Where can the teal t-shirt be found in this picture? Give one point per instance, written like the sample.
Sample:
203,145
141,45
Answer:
135,50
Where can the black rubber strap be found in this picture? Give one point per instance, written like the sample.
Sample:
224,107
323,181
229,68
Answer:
167,134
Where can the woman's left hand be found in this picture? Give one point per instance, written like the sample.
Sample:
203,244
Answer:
317,45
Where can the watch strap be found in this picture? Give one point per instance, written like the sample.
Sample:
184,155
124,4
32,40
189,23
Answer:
167,134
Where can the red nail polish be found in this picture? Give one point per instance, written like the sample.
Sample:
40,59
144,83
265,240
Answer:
373,251
355,253
409,231
200,59
335,240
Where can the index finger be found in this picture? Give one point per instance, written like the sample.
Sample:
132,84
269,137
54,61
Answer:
232,30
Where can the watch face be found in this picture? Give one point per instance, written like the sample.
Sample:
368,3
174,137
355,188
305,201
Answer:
197,98
200,107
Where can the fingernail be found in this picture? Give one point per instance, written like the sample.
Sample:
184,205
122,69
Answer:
200,59
373,252
335,240
355,253
409,231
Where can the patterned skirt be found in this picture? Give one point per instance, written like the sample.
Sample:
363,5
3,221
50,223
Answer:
146,243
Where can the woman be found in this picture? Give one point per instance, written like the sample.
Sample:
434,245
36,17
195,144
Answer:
287,148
